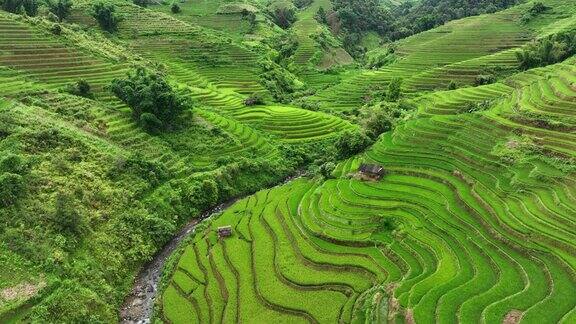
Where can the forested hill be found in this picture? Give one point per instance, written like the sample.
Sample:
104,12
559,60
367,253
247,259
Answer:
123,120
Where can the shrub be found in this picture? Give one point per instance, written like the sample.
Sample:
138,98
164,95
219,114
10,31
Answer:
105,14
484,79
30,7
302,3
549,50
536,9
326,169
175,8
141,3
254,99
13,6
279,81
81,89
394,89
283,15
11,188
148,93
56,29
13,163
321,16
67,218
452,85
60,9
351,143
150,123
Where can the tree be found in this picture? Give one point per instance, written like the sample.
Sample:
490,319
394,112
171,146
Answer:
351,142
283,16
148,93
376,120
141,3
106,16
81,89
175,8
394,89
321,16
67,218
13,6
11,188
60,9
254,99
30,7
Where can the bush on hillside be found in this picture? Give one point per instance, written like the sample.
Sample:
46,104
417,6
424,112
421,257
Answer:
281,83
536,9
394,91
254,99
141,3
321,16
56,29
384,116
13,6
484,79
549,50
67,218
81,88
148,93
106,16
175,8
302,3
351,142
11,188
61,9
29,7
13,163
282,15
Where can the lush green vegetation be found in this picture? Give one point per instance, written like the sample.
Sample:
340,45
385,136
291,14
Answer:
121,121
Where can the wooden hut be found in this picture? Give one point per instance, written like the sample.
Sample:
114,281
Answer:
224,231
371,171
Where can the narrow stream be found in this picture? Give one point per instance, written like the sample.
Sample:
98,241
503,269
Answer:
139,304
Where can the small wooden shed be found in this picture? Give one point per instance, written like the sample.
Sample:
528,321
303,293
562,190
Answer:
371,171
224,231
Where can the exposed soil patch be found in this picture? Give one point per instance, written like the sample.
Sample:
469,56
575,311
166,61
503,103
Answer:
410,316
513,317
25,290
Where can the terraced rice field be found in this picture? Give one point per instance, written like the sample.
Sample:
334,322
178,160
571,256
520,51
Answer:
292,124
430,60
479,239
41,56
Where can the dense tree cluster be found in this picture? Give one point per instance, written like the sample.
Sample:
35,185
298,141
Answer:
154,103
363,15
13,169
414,17
549,50
302,3
30,7
359,16
106,16
60,9
283,14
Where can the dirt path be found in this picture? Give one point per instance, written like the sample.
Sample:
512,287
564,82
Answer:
139,304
